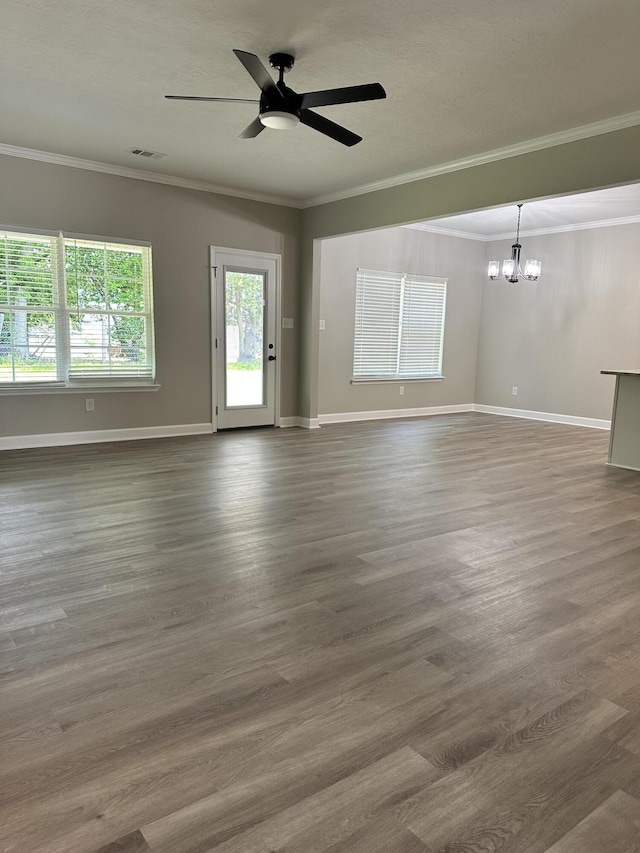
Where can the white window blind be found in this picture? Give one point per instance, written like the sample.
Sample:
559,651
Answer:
399,329
108,289
74,309
29,308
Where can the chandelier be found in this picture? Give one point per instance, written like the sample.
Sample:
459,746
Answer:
511,268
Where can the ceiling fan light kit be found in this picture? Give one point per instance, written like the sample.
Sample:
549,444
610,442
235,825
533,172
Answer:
511,268
278,120
280,108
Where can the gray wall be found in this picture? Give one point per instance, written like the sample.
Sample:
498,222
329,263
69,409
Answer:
180,224
403,250
600,161
552,338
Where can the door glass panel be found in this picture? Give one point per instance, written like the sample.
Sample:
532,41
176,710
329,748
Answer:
244,338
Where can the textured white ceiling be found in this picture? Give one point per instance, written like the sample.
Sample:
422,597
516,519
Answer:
551,214
87,79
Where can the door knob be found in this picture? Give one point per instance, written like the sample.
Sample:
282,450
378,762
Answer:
272,358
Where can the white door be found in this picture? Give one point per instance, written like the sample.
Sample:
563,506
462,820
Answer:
244,331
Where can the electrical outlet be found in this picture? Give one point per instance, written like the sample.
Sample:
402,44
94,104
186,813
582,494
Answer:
287,322
514,391
402,390
89,405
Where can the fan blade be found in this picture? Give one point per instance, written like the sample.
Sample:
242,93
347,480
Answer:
329,128
259,73
346,95
225,100
254,129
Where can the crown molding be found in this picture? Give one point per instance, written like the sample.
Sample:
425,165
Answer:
526,147
560,229
447,232
534,232
141,175
572,135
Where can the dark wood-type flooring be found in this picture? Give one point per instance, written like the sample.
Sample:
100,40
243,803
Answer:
392,637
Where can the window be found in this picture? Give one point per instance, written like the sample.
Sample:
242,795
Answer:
399,330
74,310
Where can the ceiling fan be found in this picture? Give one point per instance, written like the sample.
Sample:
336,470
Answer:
281,108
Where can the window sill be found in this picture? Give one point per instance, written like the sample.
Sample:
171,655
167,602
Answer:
404,380
19,391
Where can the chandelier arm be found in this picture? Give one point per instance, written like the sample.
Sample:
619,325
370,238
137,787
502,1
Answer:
516,271
518,249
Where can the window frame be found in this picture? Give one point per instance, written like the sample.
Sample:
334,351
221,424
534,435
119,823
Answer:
403,278
66,382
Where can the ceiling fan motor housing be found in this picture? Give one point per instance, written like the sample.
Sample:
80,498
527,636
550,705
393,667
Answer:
282,61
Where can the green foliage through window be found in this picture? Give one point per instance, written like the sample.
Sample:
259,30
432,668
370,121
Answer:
244,299
92,319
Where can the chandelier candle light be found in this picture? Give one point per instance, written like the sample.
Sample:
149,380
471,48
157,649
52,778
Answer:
511,268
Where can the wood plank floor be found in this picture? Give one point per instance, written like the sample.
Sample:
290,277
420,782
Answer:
397,637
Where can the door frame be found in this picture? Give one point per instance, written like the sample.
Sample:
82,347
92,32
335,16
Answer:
257,256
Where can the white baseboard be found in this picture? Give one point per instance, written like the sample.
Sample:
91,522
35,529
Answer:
309,423
304,423
57,439
571,420
384,414
622,467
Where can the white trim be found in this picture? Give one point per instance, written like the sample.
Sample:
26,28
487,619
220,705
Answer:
213,338
308,423
303,423
621,467
561,229
384,414
26,390
447,232
73,235
141,175
254,253
526,147
534,232
572,135
277,390
117,241
571,420
399,380
57,439
264,256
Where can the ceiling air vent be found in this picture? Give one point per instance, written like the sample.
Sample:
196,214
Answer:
151,155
